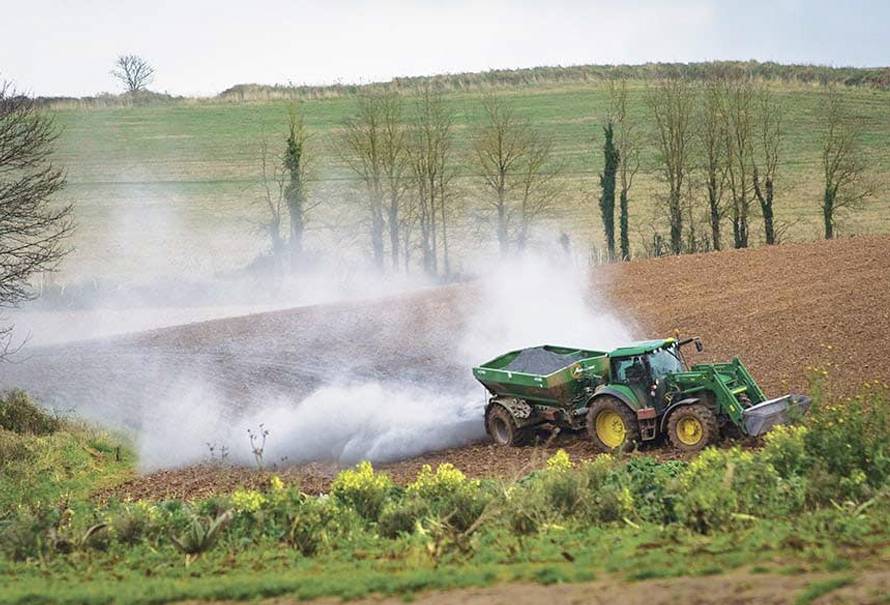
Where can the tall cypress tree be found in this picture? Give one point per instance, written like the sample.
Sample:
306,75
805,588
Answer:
294,191
607,184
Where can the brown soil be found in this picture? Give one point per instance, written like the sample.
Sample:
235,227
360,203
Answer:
736,588
782,309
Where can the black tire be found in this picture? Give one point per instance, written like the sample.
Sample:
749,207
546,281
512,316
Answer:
501,427
612,409
705,429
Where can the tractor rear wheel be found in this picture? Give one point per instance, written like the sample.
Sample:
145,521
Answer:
692,428
501,427
611,424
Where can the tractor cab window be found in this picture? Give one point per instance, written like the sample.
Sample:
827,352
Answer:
630,370
665,361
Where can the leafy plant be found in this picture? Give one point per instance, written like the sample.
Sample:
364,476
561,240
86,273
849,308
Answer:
200,536
849,445
449,495
362,489
401,516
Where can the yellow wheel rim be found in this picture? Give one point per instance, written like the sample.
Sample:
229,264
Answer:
690,430
610,428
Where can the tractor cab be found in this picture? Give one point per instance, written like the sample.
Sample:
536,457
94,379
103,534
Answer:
643,367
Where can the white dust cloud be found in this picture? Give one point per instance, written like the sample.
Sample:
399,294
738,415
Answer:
520,303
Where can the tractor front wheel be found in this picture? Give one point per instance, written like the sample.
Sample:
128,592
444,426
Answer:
501,427
611,424
692,428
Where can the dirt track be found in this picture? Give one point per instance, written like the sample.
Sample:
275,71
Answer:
735,588
781,309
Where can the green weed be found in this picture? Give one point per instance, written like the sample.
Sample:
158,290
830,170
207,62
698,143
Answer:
819,589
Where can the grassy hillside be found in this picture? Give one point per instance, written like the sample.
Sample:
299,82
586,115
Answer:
182,178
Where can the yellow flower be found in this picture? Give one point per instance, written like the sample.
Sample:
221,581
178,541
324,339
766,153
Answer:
247,500
447,478
560,461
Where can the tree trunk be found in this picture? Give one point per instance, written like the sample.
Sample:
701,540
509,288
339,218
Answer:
765,197
740,224
828,213
623,225
377,229
446,263
394,239
503,237
714,209
676,216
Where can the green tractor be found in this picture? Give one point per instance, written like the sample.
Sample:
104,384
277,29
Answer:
627,396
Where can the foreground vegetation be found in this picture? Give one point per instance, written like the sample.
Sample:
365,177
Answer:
815,497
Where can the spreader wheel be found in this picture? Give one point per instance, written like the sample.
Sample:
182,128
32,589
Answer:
501,426
691,428
611,424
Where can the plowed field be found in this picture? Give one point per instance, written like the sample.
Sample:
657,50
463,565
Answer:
782,309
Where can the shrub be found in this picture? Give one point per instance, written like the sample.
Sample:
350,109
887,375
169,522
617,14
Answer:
785,449
527,510
849,445
652,486
449,495
435,485
401,517
607,495
564,490
315,523
247,500
12,448
19,414
27,534
721,487
132,522
362,489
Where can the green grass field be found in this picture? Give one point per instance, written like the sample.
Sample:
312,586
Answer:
183,178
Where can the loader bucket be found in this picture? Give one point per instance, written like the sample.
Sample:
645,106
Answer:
760,418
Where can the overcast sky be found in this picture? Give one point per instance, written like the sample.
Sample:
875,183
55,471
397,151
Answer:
66,47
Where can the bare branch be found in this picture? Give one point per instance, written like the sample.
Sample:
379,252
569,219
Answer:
33,231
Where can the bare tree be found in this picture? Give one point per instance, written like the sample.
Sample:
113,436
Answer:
538,186
395,166
713,136
766,159
672,101
628,146
361,147
273,184
843,161
33,230
515,161
430,153
500,145
739,110
134,72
